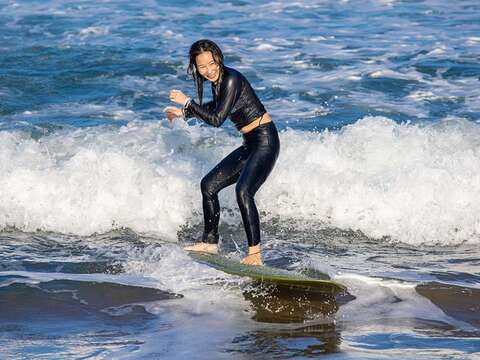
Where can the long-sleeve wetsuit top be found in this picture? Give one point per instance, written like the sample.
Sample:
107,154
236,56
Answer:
235,99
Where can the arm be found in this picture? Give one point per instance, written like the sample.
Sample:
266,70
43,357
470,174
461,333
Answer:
229,91
209,106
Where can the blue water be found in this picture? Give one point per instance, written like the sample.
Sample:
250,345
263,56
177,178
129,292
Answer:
377,183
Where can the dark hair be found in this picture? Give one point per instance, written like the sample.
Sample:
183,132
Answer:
196,49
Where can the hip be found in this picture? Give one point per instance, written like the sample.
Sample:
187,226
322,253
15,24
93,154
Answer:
264,135
264,119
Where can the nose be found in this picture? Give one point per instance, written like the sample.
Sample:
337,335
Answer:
211,69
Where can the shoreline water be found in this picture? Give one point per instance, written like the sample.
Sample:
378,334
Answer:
99,290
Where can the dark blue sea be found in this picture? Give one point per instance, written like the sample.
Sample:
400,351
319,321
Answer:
377,184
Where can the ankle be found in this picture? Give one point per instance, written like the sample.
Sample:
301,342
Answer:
210,238
254,250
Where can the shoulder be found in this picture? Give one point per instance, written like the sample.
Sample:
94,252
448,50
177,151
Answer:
231,77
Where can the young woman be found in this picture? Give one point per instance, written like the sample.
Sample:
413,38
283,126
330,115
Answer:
250,164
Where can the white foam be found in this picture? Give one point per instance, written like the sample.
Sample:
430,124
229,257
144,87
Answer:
90,180
311,113
162,264
212,300
94,31
386,2
123,115
428,95
437,51
266,47
473,40
395,75
110,111
378,301
415,184
316,38
169,34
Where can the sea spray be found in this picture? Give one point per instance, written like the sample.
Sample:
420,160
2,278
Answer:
411,183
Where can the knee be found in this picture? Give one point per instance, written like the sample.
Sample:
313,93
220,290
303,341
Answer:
206,186
243,193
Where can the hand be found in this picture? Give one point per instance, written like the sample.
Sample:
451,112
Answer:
178,96
173,113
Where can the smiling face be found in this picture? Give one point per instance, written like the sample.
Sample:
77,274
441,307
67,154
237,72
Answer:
207,67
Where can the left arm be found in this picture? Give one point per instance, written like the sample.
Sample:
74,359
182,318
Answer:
228,94
209,106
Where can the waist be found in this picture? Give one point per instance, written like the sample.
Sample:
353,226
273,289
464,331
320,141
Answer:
263,135
264,119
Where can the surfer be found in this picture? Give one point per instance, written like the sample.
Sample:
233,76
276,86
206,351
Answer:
250,164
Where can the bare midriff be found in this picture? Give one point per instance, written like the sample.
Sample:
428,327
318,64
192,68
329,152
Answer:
264,119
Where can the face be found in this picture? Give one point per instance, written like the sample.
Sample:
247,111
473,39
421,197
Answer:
207,67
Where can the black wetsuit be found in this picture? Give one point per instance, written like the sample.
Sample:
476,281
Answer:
249,165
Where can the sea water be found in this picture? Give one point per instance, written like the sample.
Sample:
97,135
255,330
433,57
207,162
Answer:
377,183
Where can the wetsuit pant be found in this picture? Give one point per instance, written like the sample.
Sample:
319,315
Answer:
248,166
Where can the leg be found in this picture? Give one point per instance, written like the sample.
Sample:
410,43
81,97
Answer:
256,170
222,175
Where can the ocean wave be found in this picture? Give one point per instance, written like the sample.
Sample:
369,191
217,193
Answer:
411,183
407,182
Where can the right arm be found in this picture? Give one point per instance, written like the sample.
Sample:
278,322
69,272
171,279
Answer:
215,112
209,106
175,112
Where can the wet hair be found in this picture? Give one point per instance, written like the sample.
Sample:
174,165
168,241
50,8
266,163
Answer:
196,49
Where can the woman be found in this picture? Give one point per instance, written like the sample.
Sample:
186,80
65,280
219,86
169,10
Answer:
250,164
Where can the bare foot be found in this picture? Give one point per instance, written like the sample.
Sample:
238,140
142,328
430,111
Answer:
203,247
254,259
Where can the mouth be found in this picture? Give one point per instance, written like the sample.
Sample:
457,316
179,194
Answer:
212,76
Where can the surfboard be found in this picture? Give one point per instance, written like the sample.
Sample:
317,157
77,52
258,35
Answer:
266,274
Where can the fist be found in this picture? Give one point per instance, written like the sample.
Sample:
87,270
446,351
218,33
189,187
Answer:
178,97
173,113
